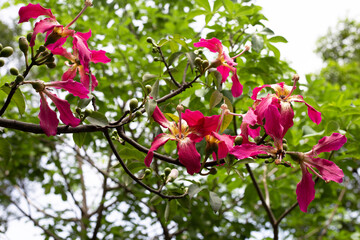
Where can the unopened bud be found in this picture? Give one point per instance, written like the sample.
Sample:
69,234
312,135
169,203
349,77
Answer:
200,51
147,172
51,65
213,171
138,114
257,139
14,71
2,62
150,40
238,140
284,140
148,89
38,85
1,46
205,63
285,147
133,104
6,52
224,106
19,79
29,36
167,171
156,59
173,175
198,61
88,112
42,48
23,45
78,110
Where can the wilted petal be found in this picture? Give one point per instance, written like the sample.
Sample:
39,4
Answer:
287,116
188,155
257,90
214,44
33,11
273,125
99,56
328,144
159,140
328,170
75,88
46,25
305,190
236,88
160,118
48,118
247,150
63,106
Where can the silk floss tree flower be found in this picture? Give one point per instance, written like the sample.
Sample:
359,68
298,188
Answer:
186,133
56,34
47,116
223,63
327,170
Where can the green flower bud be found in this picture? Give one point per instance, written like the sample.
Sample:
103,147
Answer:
1,46
156,59
155,50
285,147
42,48
148,172
2,62
148,89
150,40
257,139
78,110
238,140
88,112
23,45
167,171
51,65
29,36
51,59
198,61
14,71
138,114
213,171
200,51
284,140
205,63
19,79
133,104
6,52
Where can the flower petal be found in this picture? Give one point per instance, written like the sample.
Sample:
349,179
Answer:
48,118
247,150
305,190
33,11
70,73
80,44
63,106
159,140
226,143
328,144
314,115
63,52
99,56
46,25
56,44
257,90
160,118
273,125
85,78
188,155
328,169
236,88
224,71
287,116
214,44
75,88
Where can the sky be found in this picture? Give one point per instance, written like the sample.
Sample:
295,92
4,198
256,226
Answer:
301,22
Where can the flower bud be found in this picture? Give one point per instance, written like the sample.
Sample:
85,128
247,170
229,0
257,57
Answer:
19,79
238,140
213,171
138,114
156,59
205,63
23,45
6,52
147,172
1,46
150,40
51,65
38,85
173,175
133,104
2,62
29,36
42,48
78,110
285,147
198,61
155,50
179,108
257,139
88,112
167,171
148,89
14,71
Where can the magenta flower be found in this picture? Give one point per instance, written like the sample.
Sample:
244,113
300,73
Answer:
190,129
219,144
76,65
48,117
328,170
282,101
224,64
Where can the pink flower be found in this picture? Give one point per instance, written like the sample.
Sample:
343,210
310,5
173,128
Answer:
190,129
282,101
48,117
77,61
328,170
56,34
219,144
224,64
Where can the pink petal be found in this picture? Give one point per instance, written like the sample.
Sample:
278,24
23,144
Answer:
273,125
56,44
224,71
214,44
193,118
254,132
159,140
99,56
229,61
199,124
314,115
287,116
63,52
70,73
48,118
46,25
305,190
33,11
75,88
247,150
63,106
188,155
250,117
328,144
263,107
236,88
160,118
257,90
226,143
328,170
85,78
81,45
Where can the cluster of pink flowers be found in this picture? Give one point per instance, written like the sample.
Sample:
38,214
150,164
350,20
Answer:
273,113
56,36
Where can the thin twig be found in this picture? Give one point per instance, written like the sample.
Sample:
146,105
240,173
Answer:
168,68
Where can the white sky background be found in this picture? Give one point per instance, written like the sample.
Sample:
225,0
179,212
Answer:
301,22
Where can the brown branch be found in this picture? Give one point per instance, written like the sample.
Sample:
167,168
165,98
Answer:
168,68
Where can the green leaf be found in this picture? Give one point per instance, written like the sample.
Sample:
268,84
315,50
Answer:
173,57
204,4
5,150
79,138
215,99
257,43
267,31
229,6
227,118
194,189
173,117
274,50
217,5
148,76
162,42
182,43
18,98
215,201
277,39
150,106
170,210
83,103
173,46
156,199
97,118
191,57
195,13
155,89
